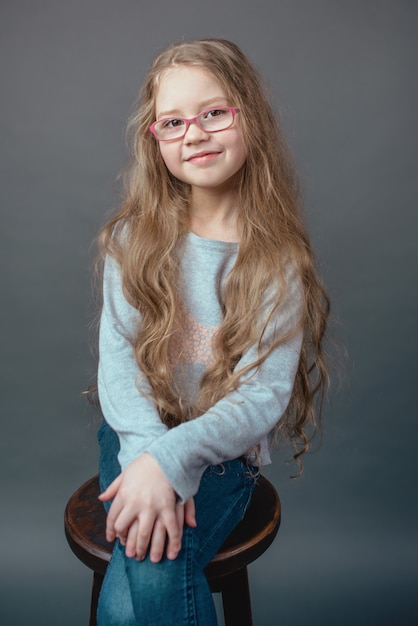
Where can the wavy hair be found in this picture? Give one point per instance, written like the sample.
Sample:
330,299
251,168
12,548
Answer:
146,232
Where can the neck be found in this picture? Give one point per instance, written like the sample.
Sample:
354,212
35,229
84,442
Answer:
213,214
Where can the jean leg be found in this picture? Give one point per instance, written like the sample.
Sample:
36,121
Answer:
221,502
115,601
173,592
177,592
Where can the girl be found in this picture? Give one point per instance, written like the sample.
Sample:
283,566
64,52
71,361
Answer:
211,330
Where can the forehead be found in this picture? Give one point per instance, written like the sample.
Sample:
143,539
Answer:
186,89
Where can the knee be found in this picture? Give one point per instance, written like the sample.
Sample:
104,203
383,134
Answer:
154,586
150,579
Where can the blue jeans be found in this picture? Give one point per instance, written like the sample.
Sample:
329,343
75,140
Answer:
173,592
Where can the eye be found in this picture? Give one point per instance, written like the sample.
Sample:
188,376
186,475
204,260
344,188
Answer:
215,113
172,123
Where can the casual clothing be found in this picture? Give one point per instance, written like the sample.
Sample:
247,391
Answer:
173,592
202,457
235,424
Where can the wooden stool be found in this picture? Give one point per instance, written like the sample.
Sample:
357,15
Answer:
85,522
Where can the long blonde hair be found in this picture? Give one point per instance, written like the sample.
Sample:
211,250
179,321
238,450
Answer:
145,234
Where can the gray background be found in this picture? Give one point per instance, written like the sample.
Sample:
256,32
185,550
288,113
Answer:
344,76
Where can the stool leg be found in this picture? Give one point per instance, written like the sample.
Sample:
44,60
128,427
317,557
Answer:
236,599
95,592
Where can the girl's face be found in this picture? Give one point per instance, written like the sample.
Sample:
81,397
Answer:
207,161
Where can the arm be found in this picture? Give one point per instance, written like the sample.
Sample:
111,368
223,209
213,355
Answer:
232,427
130,413
240,420
141,489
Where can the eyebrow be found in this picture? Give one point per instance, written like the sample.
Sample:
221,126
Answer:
202,107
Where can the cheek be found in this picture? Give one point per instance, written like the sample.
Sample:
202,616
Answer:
241,152
244,152
239,147
163,152
168,154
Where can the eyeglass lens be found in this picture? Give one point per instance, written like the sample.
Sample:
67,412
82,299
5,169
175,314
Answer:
210,121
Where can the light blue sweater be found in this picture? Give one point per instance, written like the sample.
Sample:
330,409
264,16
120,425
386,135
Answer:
237,422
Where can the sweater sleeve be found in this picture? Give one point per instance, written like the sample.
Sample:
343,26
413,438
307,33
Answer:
127,410
240,420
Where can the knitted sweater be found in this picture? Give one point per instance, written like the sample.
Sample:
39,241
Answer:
237,422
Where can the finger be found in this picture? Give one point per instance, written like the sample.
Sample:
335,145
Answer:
190,513
157,542
113,514
174,532
123,538
143,536
180,514
112,490
119,519
124,521
130,543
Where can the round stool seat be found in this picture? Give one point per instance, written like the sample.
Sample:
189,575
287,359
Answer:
85,523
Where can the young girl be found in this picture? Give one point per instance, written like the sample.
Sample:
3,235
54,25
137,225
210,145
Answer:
211,329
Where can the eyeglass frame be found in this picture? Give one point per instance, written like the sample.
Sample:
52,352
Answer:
190,120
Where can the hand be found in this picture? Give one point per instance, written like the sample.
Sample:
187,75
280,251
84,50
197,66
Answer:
144,511
185,515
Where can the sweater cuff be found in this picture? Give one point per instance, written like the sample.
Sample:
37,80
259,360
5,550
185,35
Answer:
184,482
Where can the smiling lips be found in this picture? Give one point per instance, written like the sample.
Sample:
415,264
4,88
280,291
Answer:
202,157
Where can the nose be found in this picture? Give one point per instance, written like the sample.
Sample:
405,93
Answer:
195,133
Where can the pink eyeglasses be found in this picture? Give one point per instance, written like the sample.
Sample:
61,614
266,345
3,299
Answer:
210,121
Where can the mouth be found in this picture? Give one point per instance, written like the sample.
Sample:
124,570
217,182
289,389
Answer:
202,157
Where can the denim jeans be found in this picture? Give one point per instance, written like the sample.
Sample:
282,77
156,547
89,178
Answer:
173,593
